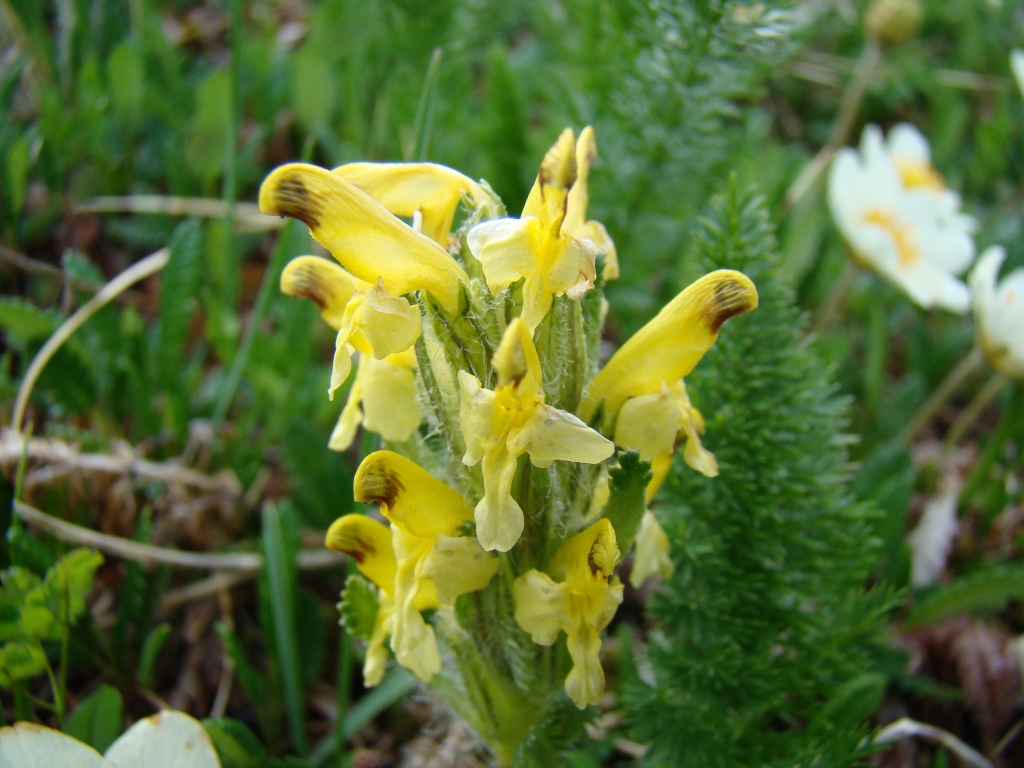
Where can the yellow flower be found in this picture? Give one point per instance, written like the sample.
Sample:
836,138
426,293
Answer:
368,542
579,597
382,399
434,563
651,555
669,346
652,424
368,241
576,223
501,425
426,190
537,247
366,316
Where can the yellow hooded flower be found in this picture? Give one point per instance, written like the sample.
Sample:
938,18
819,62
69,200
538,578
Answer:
537,248
434,563
368,542
501,425
368,241
669,346
651,556
382,399
366,316
576,223
426,190
579,597
652,424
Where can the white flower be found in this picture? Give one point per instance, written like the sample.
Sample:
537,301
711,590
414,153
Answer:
914,236
932,539
165,740
999,313
1017,66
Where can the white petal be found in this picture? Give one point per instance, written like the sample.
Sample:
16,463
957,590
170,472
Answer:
166,740
907,143
27,745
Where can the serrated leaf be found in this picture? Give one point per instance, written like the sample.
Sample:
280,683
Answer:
626,503
988,589
20,660
151,647
26,322
69,581
179,286
96,721
358,606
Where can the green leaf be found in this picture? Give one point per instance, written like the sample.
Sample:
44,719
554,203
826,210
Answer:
26,322
206,138
237,746
150,654
987,589
313,88
97,720
625,508
126,81
69,581
17,168
20,660
358,606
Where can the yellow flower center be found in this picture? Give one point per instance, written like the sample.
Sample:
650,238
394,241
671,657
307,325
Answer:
919,175
902,234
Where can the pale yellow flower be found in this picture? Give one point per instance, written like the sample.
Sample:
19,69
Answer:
653,425
537,247
369,543
578,595
576,223
999,313
367,317
363,236
434,561
651,555
670,345
501,425
382,399
426,190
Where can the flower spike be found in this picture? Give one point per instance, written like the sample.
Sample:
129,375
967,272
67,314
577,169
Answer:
501,425
368,241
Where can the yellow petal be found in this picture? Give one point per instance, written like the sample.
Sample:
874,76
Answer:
651,555
368,241
669,346
551,434
478,417
368,542
351,415
412,639
376,654
390,407
389,323
505,250
499,519
457,566
649,424
322,282
404,189
589,556
541,606
585,682
410,497
549,196
341,366
579,195
516,360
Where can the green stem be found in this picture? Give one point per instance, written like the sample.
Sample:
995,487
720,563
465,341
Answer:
973,410
849,107
942,393
836,299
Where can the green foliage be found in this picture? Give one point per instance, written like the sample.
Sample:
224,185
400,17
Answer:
36,610
359,606
766,612
97,719
989,588
626,502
